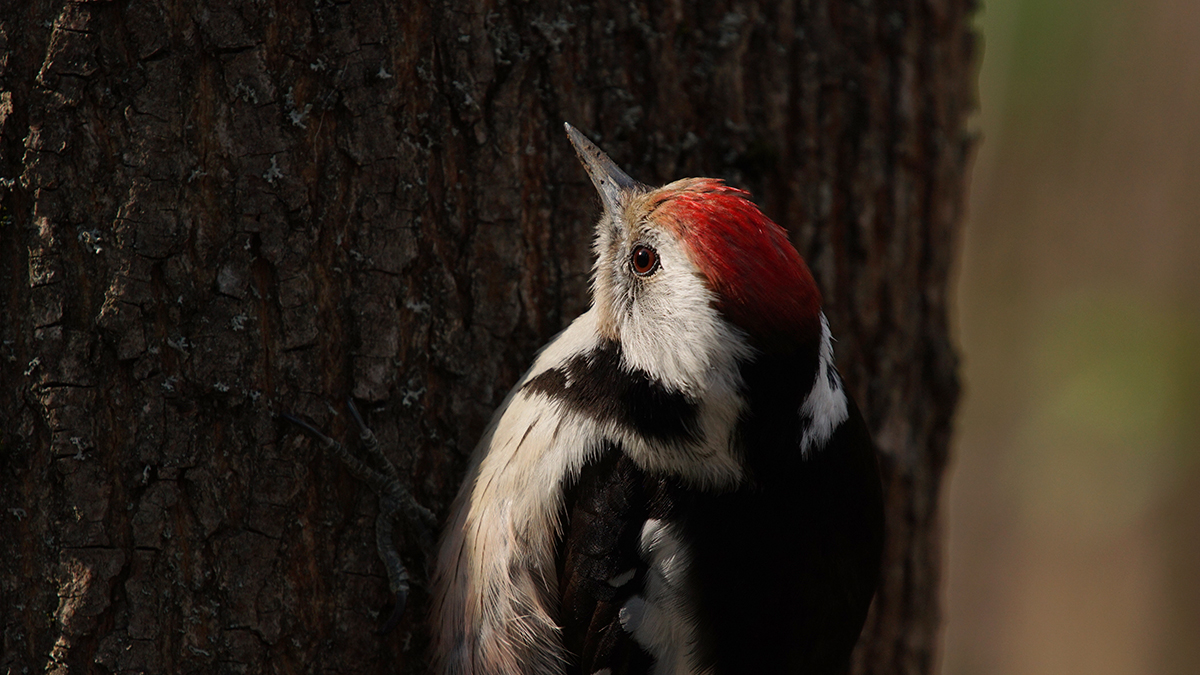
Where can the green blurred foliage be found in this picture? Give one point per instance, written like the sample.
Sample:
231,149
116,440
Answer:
1108,429
1074,505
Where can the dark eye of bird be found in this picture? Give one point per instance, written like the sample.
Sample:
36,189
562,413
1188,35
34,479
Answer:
645,261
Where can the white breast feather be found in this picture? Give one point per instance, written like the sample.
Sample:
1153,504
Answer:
661,620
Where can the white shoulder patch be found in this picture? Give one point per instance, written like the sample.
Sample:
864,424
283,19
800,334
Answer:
825,407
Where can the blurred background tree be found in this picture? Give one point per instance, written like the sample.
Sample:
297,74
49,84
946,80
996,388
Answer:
1075,493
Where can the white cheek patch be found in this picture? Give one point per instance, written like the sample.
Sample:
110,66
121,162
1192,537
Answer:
669,327
825,407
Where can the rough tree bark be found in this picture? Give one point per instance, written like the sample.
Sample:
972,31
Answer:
216,210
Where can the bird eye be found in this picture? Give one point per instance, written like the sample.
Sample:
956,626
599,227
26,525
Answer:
644,260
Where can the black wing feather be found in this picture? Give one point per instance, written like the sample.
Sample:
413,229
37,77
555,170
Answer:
606,509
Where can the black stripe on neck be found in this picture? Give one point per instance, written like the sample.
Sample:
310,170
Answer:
598,385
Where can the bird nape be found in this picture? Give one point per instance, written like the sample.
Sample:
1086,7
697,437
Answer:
680,482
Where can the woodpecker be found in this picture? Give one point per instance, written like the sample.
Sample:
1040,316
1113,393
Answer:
680,482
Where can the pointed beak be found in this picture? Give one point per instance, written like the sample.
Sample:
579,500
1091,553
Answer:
610,181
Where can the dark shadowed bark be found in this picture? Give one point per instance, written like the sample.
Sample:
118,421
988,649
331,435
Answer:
216,210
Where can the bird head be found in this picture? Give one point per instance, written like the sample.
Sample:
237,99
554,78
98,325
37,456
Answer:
688,269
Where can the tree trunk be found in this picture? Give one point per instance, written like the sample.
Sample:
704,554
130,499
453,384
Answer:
216,211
